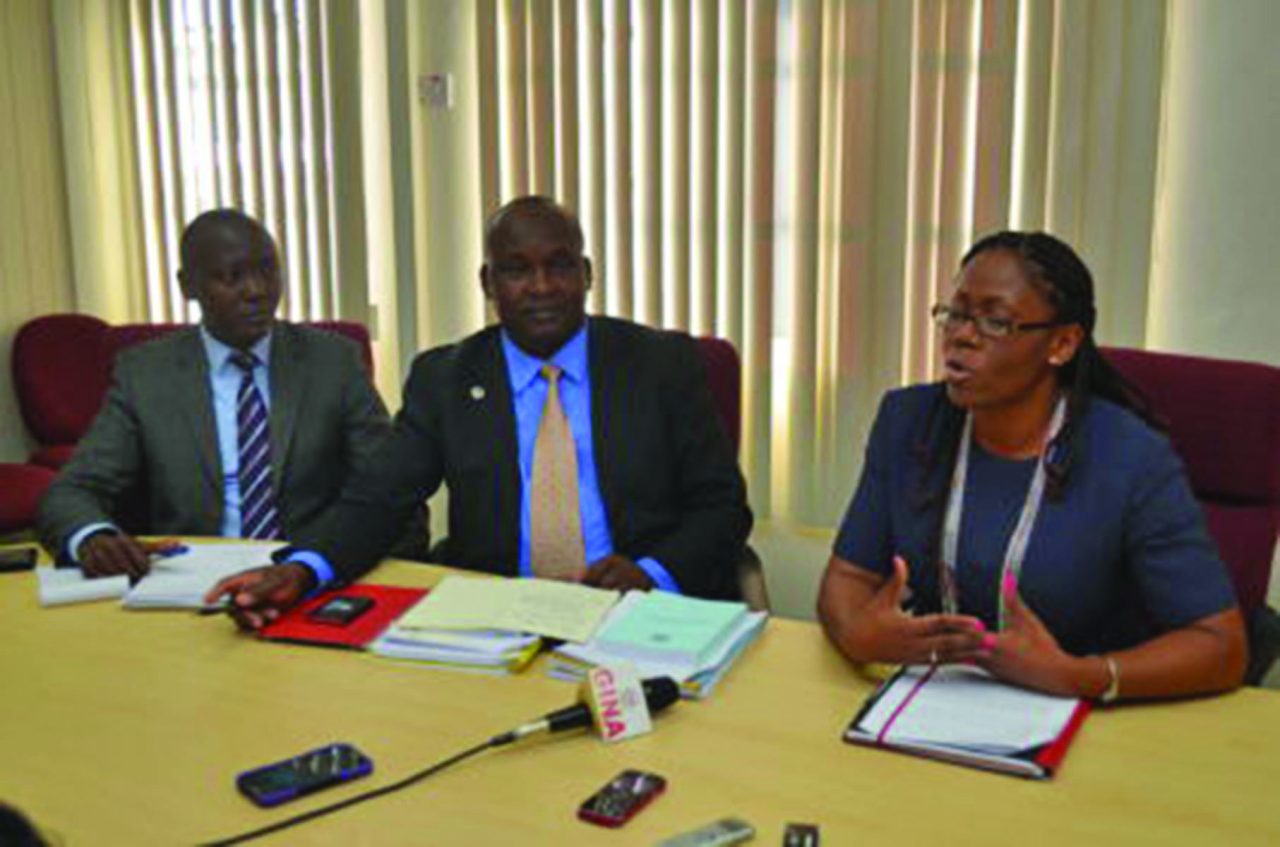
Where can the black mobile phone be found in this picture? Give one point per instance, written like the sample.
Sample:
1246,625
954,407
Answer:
19,559
620,800
340,610
283,781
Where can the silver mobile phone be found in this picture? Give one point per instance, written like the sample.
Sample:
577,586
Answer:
722,832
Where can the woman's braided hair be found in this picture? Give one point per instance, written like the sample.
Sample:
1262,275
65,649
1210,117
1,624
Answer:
1052,266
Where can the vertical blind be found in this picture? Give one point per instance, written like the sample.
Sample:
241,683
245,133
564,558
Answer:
231,102
802,177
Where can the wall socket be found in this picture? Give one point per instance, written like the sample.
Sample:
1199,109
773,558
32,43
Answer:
436,91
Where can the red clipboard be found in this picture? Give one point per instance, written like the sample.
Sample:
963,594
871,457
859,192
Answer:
389,603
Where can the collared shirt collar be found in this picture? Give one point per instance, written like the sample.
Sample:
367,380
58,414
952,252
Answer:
218,353
524,368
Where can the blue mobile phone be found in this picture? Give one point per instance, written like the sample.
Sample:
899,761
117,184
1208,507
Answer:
280,782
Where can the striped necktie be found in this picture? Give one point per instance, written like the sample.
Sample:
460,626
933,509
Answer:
258,515
555,522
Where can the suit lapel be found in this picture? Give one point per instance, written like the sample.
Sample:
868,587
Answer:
488,417
608,363
288,386
195,399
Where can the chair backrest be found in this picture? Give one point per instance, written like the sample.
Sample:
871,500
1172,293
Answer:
60,375
1224,421
62,369
724,376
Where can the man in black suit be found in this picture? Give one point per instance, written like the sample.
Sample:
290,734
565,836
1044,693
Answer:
658,501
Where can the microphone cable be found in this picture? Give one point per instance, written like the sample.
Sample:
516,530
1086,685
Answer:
496,741
659,693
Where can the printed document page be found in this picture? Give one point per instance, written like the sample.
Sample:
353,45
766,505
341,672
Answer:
539,606
966,707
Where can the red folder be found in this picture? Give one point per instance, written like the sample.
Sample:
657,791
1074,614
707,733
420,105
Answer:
389,603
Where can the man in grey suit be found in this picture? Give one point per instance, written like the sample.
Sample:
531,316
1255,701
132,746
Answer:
652,497
242,427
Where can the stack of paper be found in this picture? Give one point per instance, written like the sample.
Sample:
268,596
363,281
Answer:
493,625
482,650
181,581
59,586
692,641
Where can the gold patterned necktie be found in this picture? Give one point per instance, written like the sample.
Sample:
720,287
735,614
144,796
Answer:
555,522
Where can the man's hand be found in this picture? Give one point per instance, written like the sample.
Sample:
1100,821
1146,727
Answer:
110,553
617,572
882,630
1026,653
257,597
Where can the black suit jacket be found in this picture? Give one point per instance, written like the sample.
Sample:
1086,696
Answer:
668,476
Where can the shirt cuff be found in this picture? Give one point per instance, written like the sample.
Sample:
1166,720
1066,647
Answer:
317,564
82,534
662,578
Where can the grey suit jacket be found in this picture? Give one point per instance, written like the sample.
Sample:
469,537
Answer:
151,458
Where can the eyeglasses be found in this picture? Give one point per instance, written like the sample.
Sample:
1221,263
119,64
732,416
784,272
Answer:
988,326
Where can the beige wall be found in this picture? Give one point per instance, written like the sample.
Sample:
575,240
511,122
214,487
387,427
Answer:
35,247
1216,270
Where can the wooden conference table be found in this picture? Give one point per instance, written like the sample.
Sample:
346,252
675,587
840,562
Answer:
129,728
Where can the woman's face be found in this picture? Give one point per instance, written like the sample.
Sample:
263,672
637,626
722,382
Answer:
982,371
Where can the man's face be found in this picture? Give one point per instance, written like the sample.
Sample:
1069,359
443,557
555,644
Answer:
234,274
538,279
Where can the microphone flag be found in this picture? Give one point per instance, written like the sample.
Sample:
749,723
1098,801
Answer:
617,702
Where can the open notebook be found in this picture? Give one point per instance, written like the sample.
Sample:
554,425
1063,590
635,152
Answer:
962,714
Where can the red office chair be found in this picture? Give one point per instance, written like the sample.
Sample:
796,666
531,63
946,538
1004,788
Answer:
1224,421
724,377
60,374
21,487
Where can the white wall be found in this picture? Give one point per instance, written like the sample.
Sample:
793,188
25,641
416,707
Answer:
1216,270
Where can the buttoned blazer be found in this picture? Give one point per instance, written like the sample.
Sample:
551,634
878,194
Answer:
668,476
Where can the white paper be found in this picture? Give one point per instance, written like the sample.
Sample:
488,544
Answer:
966,707
540,606
59,586
747,627
180,582
491,642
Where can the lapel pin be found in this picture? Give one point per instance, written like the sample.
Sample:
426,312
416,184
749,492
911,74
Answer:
477,392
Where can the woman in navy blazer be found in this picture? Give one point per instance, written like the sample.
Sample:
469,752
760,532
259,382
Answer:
1025,514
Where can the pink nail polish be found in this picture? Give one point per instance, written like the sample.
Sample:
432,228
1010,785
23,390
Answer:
979,626
1010,584
988,642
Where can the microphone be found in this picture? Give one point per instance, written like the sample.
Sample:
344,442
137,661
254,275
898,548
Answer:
659,693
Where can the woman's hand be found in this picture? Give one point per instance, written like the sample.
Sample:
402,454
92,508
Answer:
867,623
1027,654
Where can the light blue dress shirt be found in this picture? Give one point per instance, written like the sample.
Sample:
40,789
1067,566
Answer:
224,385
529,396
